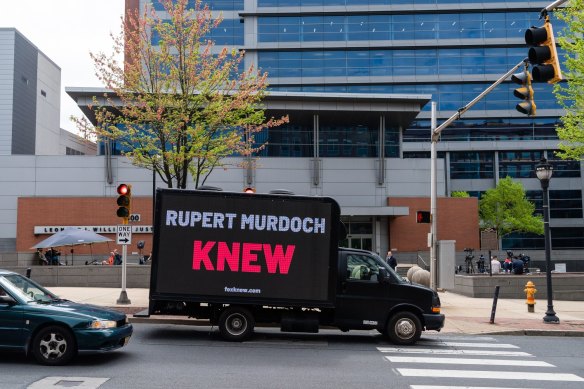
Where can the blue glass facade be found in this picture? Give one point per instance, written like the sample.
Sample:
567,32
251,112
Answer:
450,49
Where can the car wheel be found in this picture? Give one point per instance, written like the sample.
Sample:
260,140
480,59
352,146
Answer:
236,324
53,345
404,328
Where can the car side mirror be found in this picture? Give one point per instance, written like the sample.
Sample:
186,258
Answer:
6,299
383,277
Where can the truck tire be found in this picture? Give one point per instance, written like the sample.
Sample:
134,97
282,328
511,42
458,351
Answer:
236,324
54,345
404,328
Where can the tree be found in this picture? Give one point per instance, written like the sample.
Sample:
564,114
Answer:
505,209
571,94
459,194
176,106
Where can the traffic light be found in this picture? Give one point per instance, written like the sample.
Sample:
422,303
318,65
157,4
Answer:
543,54
423,217
525,93
124,202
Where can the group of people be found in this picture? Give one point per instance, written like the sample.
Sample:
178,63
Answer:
114,258
50,257
509,265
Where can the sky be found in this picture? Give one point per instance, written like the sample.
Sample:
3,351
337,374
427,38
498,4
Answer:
66,31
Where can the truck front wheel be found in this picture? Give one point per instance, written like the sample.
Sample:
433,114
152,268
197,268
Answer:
404,328
236,324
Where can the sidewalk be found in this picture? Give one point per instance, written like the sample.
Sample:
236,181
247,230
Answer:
464,315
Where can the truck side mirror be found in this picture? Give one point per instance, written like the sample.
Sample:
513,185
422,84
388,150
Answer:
383,276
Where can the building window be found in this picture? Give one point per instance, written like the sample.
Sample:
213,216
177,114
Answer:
70,151
564,204
471,164
563,168
518,164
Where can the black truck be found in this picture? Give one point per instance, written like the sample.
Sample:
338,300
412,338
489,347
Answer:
238,259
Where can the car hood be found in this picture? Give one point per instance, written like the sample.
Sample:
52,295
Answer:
73,309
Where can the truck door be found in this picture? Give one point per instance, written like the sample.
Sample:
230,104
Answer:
362,301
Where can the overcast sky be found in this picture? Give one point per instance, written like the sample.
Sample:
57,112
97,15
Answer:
66,31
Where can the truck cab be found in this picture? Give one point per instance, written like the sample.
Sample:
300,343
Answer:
370,295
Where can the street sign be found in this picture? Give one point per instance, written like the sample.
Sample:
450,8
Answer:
124,235
134,218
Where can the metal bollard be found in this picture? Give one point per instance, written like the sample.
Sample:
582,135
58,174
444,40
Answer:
28,270
494,309
530,294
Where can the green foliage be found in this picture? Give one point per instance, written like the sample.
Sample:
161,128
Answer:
181,107
459,194
571,94
506,210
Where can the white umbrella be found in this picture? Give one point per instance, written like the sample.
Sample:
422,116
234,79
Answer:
71,237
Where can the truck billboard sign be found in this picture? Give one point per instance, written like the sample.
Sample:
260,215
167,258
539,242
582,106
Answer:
244,245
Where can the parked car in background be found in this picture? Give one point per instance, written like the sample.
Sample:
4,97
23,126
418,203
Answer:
54,330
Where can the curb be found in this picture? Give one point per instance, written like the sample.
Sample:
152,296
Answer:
517,332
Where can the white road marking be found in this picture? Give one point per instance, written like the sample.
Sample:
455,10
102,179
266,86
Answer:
478,345
460,387
467,361
68,382
453,352
481,374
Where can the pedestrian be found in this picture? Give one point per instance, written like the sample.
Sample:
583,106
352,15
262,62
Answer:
117,257
41,256
391,261
495,265
517,266
109,260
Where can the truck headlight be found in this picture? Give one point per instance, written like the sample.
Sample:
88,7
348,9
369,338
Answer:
99,324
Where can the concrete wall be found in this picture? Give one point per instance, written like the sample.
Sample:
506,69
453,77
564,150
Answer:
566,286
88,276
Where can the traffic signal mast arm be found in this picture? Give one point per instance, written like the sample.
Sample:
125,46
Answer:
436,132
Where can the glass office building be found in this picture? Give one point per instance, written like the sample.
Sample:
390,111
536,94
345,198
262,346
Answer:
449,49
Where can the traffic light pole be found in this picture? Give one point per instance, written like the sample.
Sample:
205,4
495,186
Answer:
436,130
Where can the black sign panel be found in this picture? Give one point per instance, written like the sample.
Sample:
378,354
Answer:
244,245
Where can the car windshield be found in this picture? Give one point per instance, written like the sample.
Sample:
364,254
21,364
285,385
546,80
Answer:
28,289
381,263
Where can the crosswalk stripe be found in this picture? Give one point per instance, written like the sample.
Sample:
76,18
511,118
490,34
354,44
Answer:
412,350
434,338
477,345
466,361
481,374
460,387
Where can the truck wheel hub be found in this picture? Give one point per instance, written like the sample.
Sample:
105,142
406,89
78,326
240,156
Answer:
405,328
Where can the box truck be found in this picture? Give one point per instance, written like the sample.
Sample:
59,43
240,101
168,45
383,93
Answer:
239,259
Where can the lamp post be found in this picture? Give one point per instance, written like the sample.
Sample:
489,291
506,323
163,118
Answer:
544,173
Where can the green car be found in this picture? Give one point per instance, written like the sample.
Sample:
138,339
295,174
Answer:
54,330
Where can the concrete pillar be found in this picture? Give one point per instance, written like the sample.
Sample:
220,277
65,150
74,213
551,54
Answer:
446,263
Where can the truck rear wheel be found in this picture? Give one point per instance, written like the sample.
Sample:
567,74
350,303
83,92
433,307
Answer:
236,324
404,328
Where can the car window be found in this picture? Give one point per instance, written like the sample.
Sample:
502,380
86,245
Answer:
28,289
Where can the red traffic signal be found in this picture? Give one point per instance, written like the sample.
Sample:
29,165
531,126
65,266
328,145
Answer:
124,202
423,217
123,189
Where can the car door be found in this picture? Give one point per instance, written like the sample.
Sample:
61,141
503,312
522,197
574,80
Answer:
362,301
11,323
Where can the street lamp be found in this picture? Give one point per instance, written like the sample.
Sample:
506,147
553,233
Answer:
544,173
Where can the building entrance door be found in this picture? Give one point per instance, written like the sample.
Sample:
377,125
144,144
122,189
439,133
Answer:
363,242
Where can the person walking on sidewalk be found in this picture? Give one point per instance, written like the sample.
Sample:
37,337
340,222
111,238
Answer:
391,261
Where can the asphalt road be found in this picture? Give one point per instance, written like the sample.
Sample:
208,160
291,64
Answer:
171,356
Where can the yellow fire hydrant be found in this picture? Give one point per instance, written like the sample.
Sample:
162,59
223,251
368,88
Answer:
530,293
